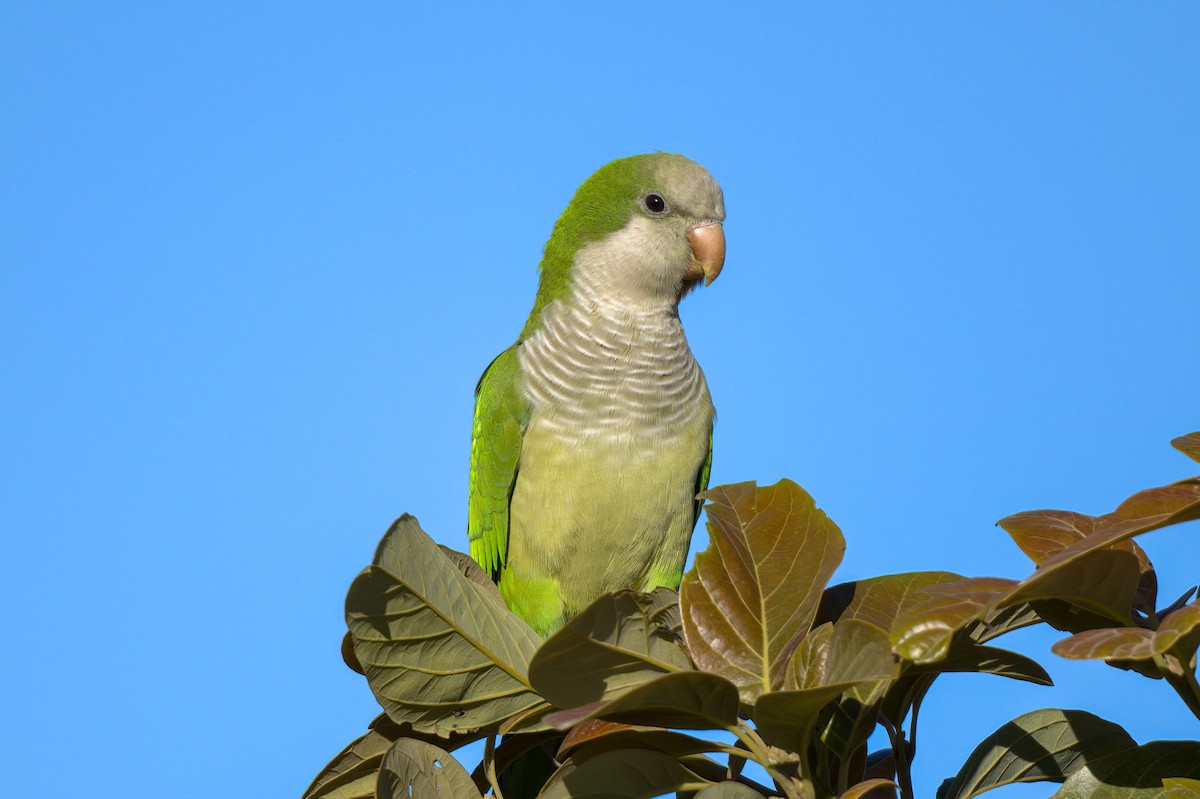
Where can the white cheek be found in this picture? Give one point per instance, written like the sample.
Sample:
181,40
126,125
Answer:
637,264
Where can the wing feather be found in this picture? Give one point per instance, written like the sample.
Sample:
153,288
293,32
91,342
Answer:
501,413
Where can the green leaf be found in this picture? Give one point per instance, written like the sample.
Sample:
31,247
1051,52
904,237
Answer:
1042,746
438,651
1134,773
473,572
626,773
878,600
418,770
351,774
1113,643
1181,788
1189,445
690,700
752,594
617,643
729,790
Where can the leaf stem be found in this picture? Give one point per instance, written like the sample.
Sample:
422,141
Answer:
489,762
900,752
760,753
1182,679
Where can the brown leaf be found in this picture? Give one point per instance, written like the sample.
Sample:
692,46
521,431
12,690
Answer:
878,600
1189,445
1113,643
752,594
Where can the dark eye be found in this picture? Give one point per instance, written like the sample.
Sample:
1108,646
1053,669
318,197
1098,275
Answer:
655,204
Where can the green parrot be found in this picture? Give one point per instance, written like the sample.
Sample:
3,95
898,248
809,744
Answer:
592,433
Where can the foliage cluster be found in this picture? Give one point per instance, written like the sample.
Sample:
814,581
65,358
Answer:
780,669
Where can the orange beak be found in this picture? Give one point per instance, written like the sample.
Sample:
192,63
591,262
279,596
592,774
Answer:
708,249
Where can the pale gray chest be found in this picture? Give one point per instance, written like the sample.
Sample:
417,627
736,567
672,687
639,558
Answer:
612,375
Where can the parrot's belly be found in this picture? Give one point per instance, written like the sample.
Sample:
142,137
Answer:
597,517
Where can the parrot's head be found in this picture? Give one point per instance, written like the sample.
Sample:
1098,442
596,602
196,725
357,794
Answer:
642,230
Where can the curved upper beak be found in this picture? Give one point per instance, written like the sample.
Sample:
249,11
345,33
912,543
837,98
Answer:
708,248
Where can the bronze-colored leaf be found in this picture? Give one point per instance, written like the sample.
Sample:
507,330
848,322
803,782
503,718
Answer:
593,736
617,643
1189,445
1103,581
976,659
752,594
622,773
688,700
1136,773
922,632
1146,510
1042,746
1042,534
414,769
835,659
871,789
728,790
1179,633
878,600
348,656
437,650
1113,643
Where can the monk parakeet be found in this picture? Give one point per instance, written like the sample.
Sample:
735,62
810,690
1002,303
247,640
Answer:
593,432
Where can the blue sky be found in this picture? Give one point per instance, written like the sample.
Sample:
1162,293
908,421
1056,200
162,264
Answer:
255,258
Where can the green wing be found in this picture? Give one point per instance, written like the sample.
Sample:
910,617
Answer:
702,477
501,413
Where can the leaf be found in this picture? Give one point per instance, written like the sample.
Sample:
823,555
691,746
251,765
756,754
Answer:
752,594
878,600
437,650
871,789
689,700
617,643
631,773
1113,643
1146,510
1179,633
834,659
1136,773
970,658
1042,746
1181,788
351,773
593,736
1104,581
729,790
1189,445
348,656
922,632
473,572
1042,534
418,770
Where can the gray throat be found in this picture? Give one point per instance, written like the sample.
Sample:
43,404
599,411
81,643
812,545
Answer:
599,370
